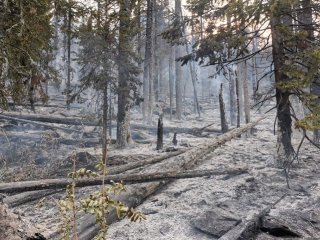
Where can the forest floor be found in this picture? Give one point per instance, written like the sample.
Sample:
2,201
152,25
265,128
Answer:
198,208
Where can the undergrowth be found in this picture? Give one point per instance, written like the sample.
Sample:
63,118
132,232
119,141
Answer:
99,203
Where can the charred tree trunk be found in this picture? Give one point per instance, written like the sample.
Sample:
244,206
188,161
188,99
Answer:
160,134
232,99
69,29
284,146
224,123
254,72
123,116
238,100
105,122
31,97
174,140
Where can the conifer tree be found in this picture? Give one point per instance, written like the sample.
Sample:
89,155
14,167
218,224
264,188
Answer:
25,33
274,24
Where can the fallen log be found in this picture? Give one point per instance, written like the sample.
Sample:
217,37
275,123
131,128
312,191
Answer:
133,165
46,125
51,119
25,186
11,104
248,228
93,122
135,196
25,197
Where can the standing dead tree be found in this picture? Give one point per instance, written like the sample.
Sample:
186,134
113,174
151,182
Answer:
160,134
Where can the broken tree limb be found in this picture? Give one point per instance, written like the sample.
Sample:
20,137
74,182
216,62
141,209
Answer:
25,186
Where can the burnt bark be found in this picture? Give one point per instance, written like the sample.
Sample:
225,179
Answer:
69,26
224,123
160,134
26,186
246,98
284,146
238,94
123,116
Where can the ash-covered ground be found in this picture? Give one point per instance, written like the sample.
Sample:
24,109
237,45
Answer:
197,208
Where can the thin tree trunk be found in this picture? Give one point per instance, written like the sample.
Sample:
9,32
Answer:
178,52
232,98
110,110
105,122
238,100
246,98
69,29
194,77
162,81
171,80
156,46
254,72
224,123
140,57
178,84
148,64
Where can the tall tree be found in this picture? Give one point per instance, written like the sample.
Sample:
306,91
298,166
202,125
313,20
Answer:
127,81
148,63
277,21
171,80
178,67
69,21
305,18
